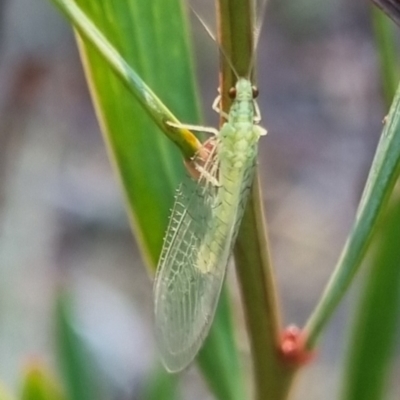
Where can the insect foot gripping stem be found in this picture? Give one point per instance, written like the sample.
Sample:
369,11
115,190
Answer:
203,165
292,347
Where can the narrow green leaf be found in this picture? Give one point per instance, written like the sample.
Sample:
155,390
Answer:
152,37
149,167
377,321
39,384
75,365
384,172
376,325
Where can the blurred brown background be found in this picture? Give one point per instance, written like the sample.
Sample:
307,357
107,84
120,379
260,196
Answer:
62,218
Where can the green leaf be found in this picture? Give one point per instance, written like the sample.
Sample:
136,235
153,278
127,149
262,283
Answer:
153,39
372,346
149,166
382,178
75,364
373,340
39,384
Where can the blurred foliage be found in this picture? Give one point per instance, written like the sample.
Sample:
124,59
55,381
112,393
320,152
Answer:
391,8
4,395
38,384
160,386
377,321
150,168
376,326
385,35
75,361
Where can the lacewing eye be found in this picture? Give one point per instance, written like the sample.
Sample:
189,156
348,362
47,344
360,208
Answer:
232,93
255,92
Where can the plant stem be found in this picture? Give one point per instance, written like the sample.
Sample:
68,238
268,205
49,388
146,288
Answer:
253,265
259,296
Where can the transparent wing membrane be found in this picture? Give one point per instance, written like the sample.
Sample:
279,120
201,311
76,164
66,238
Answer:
192,266
186,295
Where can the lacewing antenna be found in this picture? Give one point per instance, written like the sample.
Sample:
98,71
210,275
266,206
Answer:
212,36
257,31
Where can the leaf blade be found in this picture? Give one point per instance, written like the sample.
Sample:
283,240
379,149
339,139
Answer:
377,318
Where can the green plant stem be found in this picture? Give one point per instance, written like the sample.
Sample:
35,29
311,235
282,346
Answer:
253,265
183,138
383,174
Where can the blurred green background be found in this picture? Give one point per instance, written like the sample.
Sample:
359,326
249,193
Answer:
62,218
